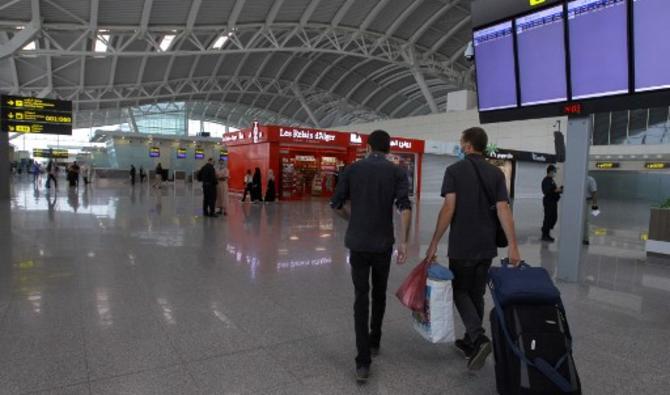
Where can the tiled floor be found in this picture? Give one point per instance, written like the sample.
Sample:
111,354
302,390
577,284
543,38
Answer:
110,290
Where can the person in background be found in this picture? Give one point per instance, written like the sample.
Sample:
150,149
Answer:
209,181
552,194
591,205
248,182
472,240
133,174
270,192
158,182
257,187
36,172
143,175
222,175
88,174
52,170
373,186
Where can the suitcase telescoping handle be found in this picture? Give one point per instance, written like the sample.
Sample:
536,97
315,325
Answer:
505,263
550,372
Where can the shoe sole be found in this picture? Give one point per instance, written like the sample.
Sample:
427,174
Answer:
462,351
478,360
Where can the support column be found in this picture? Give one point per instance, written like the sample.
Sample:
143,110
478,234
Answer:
572,210
4,167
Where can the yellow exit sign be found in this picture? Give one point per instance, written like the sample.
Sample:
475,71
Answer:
533,3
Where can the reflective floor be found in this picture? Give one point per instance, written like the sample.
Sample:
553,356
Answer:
113,290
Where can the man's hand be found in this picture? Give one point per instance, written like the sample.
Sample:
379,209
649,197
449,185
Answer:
431,253
402,253
514,256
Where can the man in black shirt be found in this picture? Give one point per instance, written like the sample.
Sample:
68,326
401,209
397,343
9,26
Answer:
472,241
373,186
209,181
552,194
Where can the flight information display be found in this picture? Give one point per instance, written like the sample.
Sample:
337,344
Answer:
32,115
494,59
598,47
541,57
181,153
652,46
199,153
154,152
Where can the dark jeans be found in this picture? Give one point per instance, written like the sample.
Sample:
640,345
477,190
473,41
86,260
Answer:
469,285
50,178
208,199
550,217
362,265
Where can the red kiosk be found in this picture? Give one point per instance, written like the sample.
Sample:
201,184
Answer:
306,162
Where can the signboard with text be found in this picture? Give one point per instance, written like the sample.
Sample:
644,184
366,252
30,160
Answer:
33,115
50,153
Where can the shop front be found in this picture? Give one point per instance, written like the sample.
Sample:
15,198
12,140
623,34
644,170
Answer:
307,162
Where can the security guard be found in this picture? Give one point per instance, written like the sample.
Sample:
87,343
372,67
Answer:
552,194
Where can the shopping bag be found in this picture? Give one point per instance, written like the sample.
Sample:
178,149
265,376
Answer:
436,322
412,292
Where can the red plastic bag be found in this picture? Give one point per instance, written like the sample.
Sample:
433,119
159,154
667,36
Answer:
412,292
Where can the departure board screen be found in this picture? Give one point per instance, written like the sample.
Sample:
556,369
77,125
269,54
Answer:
494,59
598,47
541,56
652,44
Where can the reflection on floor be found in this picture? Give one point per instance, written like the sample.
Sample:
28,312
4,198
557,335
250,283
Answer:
119,290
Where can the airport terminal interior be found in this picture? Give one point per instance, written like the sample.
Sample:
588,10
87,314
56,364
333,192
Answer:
114,281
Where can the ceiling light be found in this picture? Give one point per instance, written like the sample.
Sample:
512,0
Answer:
166,42
102,41
221,41
31,46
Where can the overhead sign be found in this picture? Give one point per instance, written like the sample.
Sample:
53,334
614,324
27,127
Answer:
607,165
181,153
657,165
307,135
50,153
223,154
33,115
199,153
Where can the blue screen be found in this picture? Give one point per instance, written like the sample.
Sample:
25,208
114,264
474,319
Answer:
494,61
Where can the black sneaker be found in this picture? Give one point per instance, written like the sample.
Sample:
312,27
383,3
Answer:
362,373
548,239
464,346
481,351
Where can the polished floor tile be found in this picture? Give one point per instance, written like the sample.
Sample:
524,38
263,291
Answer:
109,290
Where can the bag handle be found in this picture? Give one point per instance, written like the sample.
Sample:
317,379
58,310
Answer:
550,372
481,183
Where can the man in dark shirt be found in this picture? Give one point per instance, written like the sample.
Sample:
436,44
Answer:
372,185
469,211
209,181
552,194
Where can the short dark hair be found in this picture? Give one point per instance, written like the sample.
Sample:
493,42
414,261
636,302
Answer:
380,141
551,168
477,138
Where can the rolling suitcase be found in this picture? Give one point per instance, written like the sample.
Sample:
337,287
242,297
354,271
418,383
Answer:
532,344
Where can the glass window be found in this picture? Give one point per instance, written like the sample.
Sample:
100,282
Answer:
619,127
601,128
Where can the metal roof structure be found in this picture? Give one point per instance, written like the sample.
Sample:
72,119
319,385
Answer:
299,62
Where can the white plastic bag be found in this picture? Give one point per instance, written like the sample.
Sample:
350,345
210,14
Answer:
436,323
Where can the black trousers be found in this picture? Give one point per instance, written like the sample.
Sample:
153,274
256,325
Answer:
369,331
550,217
50,178
208,199
469,286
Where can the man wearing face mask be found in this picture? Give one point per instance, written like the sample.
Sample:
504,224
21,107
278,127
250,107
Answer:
552,194
475,194
372,186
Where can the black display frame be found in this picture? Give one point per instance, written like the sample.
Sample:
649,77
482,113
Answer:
486,13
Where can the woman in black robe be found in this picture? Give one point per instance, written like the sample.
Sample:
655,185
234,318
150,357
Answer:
257,187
